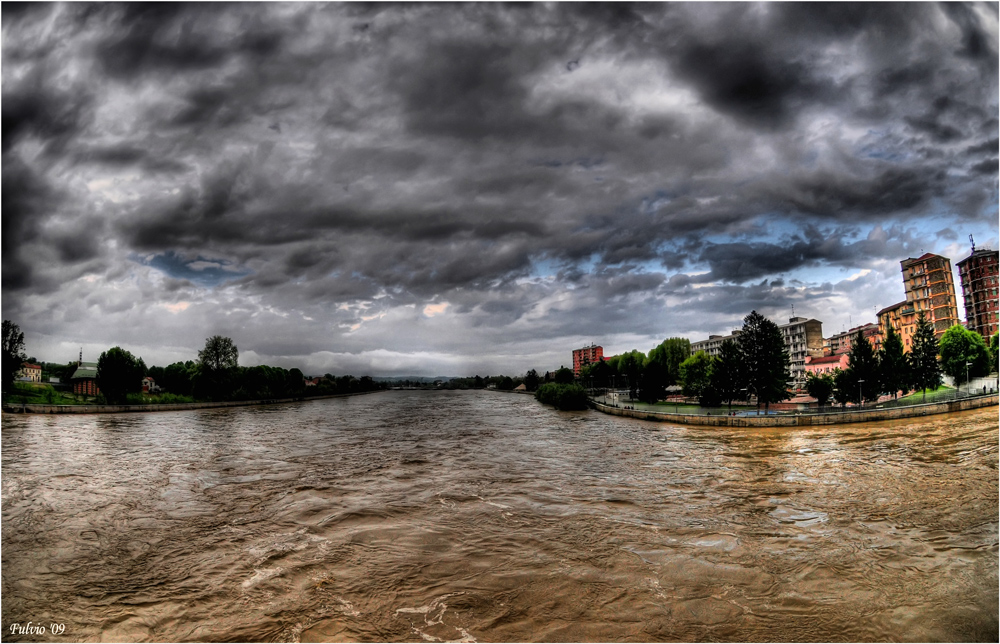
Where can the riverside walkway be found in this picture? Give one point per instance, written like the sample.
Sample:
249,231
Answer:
720,418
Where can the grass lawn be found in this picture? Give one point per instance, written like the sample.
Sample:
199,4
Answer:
943,392
42,394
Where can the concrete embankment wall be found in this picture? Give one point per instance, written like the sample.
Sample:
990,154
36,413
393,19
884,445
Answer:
806,420
121,409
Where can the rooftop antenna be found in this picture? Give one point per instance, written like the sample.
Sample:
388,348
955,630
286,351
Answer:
793,310
973,242
81,356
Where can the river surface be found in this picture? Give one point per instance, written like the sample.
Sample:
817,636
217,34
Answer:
481,516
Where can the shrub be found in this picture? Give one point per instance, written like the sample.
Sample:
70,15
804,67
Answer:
562,396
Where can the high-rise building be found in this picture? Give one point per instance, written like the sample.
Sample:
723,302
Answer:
978,274
803,338
903,319
930,288
585,356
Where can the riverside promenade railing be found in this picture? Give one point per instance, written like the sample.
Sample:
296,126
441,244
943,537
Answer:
872,413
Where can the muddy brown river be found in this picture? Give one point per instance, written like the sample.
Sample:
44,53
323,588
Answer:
481,516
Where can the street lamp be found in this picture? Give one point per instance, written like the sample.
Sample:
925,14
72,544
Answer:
967,387
861,401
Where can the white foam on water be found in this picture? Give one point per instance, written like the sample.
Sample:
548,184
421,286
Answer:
260,575
433,616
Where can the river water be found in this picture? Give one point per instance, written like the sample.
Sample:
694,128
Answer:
481,516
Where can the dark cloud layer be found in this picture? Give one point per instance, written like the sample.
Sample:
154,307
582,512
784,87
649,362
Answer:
402,186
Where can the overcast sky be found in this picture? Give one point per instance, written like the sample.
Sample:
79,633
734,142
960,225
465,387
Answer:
475,188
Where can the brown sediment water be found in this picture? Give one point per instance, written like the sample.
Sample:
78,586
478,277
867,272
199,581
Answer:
477,516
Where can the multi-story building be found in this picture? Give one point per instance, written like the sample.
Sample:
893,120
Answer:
843,342
713,343
826,364
586,355
84,379
978,274
803,337
930,288
902,317
30,372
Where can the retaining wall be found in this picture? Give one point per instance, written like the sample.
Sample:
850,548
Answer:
122,409
806,420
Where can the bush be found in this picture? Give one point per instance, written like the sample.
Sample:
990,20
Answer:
562,396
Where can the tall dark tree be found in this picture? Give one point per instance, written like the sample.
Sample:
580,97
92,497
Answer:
218,361
862,369
219,353
892,364
564,376
599,372
844,389
630,366
652,381
531,380
925,372
670,354
119,374
13,353
765,359
727,375
964,354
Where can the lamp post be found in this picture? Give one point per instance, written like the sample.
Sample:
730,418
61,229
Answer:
967,387
861,401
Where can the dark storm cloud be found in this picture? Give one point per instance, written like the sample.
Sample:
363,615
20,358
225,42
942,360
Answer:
529,172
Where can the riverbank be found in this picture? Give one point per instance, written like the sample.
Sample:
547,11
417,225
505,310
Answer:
804,420
12,408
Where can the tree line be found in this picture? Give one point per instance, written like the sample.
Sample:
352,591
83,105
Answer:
960,353
215,376
756,365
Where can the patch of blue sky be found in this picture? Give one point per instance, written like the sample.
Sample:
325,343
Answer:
204,271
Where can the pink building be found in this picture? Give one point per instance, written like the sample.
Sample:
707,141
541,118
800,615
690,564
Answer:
826,364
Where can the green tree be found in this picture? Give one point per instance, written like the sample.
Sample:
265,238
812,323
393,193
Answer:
564,376
820,387
630,366
176,377
119,374
727,374
892,364
219,353
13,353
531,380
994,351
696,374
925,372
959,347
599,373
218,361
506,383
652,381
844,390
862,369
669,354
765,359
562,396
